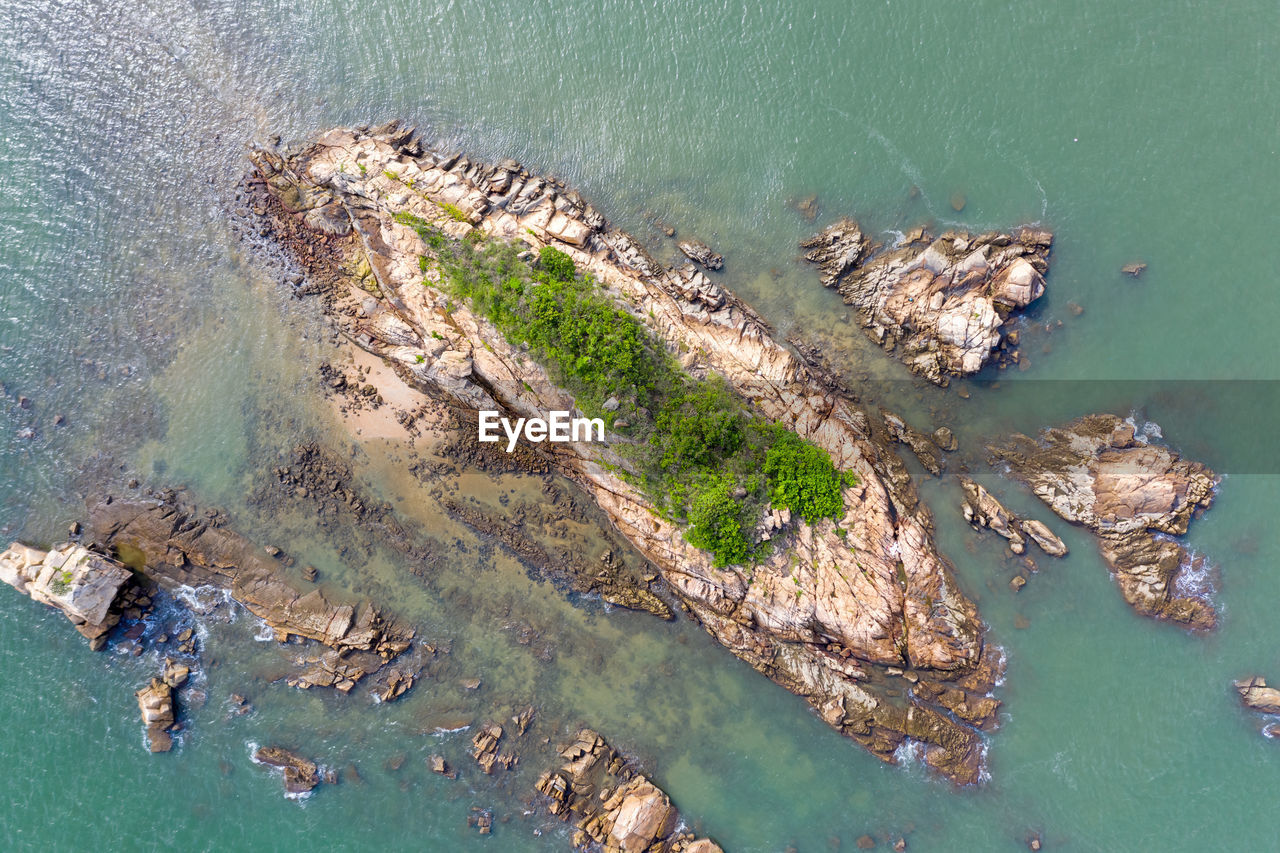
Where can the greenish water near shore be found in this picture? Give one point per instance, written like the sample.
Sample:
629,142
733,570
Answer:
1136,132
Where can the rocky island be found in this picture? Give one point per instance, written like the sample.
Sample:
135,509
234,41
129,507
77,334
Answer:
832,586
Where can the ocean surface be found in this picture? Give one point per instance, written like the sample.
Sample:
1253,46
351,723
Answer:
1141,131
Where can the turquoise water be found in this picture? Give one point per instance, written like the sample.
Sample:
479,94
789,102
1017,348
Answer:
1137,131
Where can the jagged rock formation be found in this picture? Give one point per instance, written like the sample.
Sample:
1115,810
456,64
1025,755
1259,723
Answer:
700,252
925,448
1134,495
155,701
177,547
301,775
612,805
939,304
484,748
842,620
982,510
75,580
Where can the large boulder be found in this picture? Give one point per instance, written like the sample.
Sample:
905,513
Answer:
1255,694
301,775
81,583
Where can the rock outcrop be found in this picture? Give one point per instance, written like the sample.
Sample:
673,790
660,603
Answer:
839,613
1256,695
82,584
301,775
155,701
484,748
700,252
612,805
1097,472
178,547
984,511
939,304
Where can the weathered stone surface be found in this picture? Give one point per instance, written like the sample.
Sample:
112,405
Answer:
175,673
155,701
1255,694
825,612
180,547
301,775
939,304
981,509
613,805
836,250
700,252
80,583
1134,495
484,746
924,448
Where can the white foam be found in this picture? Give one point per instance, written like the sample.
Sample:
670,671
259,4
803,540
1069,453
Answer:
207,600
909,752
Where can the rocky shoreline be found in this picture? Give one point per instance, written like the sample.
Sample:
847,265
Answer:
869,626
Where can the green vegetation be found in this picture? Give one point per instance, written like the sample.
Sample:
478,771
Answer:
455,213
61,584
802,478
698,453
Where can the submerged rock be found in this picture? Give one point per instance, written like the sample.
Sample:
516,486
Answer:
79,582
939,304
1134,496
180,547
833,604
700,252
301,775
612,804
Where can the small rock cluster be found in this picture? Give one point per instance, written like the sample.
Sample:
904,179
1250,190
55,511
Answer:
612,805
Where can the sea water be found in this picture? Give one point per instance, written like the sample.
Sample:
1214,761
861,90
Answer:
1136,132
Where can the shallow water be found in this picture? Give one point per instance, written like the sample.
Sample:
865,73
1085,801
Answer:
1138,131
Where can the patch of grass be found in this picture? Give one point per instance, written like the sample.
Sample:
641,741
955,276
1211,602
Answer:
455,213
704,460
61,584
